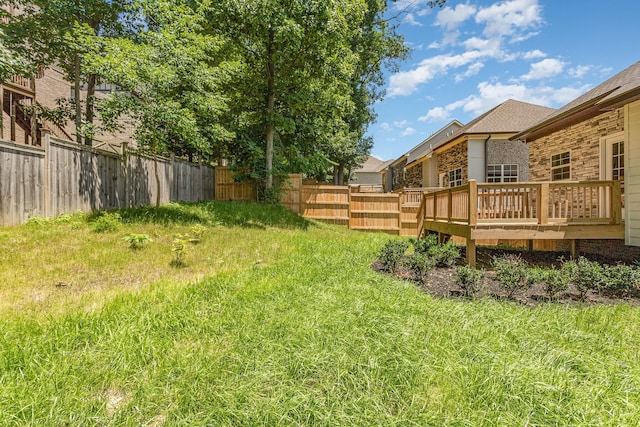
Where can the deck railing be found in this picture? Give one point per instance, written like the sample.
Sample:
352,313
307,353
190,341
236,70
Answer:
542,203
28,84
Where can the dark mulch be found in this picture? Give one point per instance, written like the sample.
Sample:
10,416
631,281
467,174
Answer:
441,281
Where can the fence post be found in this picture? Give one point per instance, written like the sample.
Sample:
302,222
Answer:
400,196
349,207
473,202
46,184
449,205
542,204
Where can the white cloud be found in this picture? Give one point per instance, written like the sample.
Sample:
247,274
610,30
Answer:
546,68
579,71
437,114
473,70
450,19
401,123
408,131
510,18
385,126
410,19
534,54
491,94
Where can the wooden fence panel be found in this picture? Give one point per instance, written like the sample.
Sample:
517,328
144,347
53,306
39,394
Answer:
290,196
64,177
21,192
328,203
227,188
375,212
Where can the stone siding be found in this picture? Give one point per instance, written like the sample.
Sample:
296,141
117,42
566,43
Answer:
413,176
505,152
582,139
452,159
398,175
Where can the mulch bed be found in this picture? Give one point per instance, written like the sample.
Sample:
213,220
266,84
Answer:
441,281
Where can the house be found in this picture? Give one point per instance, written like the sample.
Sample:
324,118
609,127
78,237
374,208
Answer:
595,137
416,168
19,94
484,149
370,173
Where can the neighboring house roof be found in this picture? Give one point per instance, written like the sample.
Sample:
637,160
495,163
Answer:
384,165
620,89
372,164
509,117
427,145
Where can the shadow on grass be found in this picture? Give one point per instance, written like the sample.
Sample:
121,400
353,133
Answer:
231,214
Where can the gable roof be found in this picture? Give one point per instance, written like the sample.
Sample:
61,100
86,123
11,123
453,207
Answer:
509,117
622,88
433,141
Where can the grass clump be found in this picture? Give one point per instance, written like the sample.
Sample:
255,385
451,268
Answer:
137,240
107,222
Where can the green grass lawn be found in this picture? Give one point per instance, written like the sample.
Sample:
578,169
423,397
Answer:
278,321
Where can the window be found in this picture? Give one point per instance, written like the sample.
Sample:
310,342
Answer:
617,161
561,166
455,177
502,173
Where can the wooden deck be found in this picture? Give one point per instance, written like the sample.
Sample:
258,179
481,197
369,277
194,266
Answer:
524,211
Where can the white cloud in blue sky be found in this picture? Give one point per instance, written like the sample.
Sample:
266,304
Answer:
471,55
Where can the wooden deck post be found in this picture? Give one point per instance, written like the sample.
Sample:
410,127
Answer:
574,248
471,252
616,203
542,204
473,202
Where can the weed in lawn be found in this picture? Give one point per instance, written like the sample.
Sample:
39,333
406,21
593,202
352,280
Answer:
137,241
107,222
179,249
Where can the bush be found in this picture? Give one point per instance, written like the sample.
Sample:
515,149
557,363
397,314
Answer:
621,280
445,255
391,254
420,265
107,221
555,281
468,278
511,271
426,245
179,249
585,275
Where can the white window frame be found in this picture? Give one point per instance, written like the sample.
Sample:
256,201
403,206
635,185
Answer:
456,182
500,178
561,166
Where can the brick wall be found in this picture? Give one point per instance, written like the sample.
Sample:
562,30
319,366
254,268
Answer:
413,176
505,152
582,139
454,158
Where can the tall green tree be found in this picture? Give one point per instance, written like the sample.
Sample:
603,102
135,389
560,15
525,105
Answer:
54,32
171,79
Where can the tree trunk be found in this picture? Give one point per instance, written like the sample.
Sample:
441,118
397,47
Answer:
76,93
271,102
91,90
338,174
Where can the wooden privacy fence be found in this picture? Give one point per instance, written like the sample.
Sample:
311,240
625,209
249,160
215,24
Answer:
64,177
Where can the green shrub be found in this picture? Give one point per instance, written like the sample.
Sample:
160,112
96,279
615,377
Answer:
585,275
37,221
621,280
555,281
420,265
198,231
106,222
445,255
469,280
511,272
137,241
424,246
391,254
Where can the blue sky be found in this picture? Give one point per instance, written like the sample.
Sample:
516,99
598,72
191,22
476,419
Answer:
469,56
